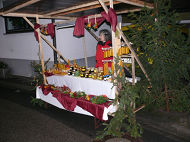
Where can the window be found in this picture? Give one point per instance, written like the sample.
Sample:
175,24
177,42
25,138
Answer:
18,25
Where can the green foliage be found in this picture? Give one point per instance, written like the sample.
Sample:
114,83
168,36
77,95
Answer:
77,94
158,37
38,78
99,99
124,118
35,101
3,65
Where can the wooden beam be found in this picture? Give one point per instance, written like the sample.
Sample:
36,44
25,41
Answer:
139,3
92,33
34,15
127,42
28,21
83,9
75,7
49,43
133,52
19,6
139,108
128,10
92,16
41,53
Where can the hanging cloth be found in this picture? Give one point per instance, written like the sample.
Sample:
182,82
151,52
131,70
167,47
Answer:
79,27
111,17
36,26
51,29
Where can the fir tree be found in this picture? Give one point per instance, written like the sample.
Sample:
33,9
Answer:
164,51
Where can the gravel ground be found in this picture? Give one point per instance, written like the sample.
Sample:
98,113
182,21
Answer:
21,124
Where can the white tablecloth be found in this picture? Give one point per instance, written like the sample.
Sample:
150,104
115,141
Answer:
52,100
88,85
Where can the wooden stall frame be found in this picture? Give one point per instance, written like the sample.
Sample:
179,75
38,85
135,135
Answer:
59,14
113,44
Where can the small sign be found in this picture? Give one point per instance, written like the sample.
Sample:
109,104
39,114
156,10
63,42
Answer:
126,60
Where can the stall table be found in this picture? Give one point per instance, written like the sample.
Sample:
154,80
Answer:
89,86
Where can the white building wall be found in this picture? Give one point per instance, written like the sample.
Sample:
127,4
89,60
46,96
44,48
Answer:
19,49
25,46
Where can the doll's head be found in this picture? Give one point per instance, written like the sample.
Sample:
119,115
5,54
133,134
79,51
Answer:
104,35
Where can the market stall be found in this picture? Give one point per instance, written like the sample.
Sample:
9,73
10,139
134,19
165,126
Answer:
82,90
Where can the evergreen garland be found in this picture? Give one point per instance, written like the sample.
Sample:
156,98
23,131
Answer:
124,120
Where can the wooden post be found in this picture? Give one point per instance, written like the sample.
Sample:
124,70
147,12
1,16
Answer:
114,53
166,97
41,52
113,35
133,104
54,44
84,50
128,44
49,43
133,69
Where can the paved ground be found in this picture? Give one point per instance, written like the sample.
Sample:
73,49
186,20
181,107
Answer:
22,122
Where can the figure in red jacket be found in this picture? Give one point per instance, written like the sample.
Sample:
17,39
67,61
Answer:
104,42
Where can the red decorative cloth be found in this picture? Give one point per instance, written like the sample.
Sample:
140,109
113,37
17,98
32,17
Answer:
67,102
95,109
70,103
46,90
36,26
51,29
111,17
79,27
81,21
100,54
48,74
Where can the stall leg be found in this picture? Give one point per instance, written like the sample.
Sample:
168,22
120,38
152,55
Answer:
98,123
46,105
